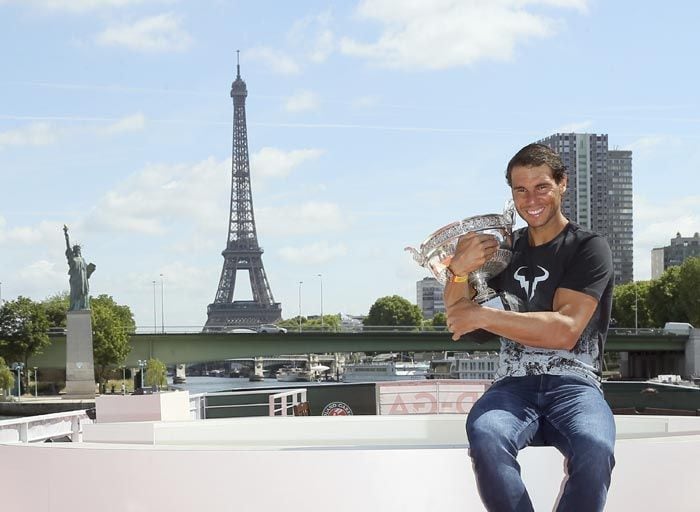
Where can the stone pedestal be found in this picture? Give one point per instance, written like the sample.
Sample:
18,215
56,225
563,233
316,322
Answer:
80,368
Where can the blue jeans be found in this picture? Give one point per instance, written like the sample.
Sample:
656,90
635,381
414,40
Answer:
566,412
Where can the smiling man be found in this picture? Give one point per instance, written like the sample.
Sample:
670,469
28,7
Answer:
557,293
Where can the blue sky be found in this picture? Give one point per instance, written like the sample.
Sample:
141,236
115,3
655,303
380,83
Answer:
370,125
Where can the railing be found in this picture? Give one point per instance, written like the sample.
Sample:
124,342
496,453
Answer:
34,429
199,329
278,404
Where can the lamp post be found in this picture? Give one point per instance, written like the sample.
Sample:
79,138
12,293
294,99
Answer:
635,307
300,283
155,325
123,380
142,366
162,306
36,382
320,277
18,368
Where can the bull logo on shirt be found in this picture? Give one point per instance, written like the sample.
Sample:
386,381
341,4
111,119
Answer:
525,283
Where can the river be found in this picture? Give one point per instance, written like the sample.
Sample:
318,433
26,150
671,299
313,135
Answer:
212,384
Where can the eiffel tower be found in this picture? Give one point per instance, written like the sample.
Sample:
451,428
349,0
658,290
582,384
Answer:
242,250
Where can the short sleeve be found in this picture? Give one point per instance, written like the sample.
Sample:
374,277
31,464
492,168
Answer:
591,268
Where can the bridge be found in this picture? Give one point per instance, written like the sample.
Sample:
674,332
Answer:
198,347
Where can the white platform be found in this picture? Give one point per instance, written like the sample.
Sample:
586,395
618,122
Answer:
353,463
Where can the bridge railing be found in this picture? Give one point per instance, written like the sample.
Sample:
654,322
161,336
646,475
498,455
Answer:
32,429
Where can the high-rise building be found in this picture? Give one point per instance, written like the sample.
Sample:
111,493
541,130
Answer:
681,249
429,295
242,252
599,193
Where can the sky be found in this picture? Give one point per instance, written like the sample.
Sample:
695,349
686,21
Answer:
371,124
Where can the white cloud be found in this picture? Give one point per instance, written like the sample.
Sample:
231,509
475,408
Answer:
313,35
133,123
278,61
301,101
311,217
444,34
273,162
575,127
157,198
161,33
314,254
34,134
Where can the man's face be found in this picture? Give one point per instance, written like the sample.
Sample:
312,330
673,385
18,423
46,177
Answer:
536,195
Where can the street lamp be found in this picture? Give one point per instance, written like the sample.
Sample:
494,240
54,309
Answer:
36,382
155,326
320,277
635,307
162,306
18,368
300,283
142,365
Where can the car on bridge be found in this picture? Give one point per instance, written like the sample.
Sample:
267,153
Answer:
271,329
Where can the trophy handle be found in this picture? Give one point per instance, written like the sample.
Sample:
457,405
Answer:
420,259
509,211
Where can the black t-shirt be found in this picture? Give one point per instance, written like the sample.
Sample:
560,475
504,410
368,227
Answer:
575,259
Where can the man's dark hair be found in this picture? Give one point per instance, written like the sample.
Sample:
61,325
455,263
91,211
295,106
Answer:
534,155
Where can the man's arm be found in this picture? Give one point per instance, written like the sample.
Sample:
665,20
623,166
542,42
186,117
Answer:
558,329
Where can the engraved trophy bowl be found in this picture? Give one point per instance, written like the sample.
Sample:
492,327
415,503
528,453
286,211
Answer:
436,252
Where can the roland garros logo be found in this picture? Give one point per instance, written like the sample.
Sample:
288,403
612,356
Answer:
337,409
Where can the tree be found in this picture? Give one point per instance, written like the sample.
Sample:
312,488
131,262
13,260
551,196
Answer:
393,310
689,291
156,373
23,329
56,307
112,326
439,318
7,380
664,303
625,298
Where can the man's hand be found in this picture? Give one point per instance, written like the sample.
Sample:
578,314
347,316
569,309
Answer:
462,318
473,250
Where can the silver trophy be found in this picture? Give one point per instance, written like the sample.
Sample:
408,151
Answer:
436,252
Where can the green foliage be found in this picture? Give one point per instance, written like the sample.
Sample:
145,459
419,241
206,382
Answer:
689,290
56,308
7,379
439,318
624,304
394,310
156,373
23,329
112,326
664,304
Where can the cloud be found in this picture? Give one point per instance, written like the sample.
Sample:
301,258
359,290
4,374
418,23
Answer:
273,162
277,61
301,101
445,34
161,33
312,34
34,134
311,217
132,123
575,127
314,254
157,198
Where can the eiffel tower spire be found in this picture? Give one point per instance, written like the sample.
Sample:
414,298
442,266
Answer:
242,249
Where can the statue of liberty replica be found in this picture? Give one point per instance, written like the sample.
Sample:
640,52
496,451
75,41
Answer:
80,367
79,274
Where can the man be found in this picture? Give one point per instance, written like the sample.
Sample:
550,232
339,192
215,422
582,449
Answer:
557,293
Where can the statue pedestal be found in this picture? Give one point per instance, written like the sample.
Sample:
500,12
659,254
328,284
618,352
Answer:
80,368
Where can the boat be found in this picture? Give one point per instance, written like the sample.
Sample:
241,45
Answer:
290,374
464,366
375,371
